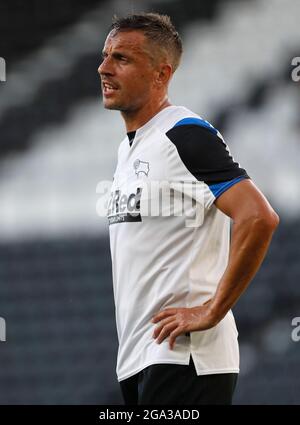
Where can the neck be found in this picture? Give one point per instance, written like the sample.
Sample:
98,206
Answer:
136,119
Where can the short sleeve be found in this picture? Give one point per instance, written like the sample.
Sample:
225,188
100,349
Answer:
205,154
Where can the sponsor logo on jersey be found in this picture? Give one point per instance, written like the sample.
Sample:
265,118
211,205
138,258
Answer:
123,208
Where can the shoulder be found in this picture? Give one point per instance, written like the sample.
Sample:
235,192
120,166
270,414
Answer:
171,115
194,132
203,151
181,121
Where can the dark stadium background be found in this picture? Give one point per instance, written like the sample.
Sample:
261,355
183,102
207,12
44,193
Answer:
57,142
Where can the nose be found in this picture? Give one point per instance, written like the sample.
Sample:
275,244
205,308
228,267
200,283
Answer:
105,68
100,69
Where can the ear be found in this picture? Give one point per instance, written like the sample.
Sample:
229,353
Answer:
164,74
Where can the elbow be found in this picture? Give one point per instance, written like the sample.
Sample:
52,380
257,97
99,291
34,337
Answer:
276,220
267,221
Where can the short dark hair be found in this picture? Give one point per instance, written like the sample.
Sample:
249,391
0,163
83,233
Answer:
157,28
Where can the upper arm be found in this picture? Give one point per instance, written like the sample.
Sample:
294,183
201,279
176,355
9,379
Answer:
243,201
206,155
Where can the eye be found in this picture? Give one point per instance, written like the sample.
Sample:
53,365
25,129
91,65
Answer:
121,58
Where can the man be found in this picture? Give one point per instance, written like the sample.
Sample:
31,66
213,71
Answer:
175,283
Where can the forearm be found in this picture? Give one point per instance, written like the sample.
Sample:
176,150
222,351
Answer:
249,245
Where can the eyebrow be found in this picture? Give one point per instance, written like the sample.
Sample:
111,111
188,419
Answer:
135,51
116,54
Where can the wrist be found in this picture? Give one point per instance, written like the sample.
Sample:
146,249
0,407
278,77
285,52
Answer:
216,313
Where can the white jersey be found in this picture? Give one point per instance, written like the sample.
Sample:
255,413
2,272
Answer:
162,260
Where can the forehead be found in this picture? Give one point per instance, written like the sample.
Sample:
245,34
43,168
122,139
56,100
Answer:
132,41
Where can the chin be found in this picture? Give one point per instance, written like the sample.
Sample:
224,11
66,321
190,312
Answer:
112,106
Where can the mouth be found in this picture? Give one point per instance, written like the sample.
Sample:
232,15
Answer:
108,89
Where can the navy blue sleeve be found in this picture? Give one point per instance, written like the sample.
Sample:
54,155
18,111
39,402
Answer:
205,154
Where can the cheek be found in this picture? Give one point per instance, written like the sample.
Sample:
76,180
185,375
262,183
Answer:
136,84
142,83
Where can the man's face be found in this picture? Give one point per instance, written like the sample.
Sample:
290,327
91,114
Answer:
127,72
